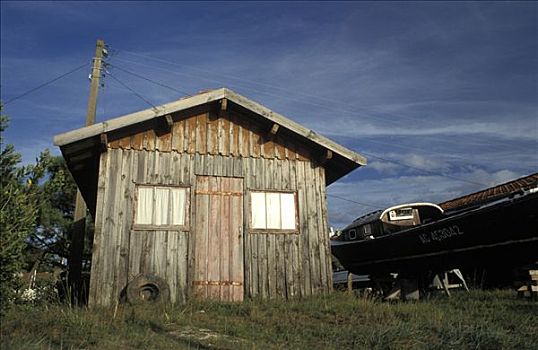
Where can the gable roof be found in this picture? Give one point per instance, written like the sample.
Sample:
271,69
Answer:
80,147
198,100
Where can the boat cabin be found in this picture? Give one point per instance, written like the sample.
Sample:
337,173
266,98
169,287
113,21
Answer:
391,220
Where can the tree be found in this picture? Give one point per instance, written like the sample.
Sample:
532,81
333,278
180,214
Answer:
56,192
18,212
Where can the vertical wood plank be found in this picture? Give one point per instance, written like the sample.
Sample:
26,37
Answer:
124,218
223,136
141,167
328,256
164,142
249,255
135,253
178,135
269,183
244,140
304,267
125,142
313,236
322,231
201,134
225,240
268,148
114,144
154,160
191,136
183,260
257,254
201,240
280,152
172,264
160,252
234,136
136,141
255,141
149,140
151,158
213,246
190,179
212,134
98,248
111,227
296,281
281,262
263,273
237,239
147,258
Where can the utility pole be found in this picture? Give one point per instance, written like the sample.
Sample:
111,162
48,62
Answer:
79,226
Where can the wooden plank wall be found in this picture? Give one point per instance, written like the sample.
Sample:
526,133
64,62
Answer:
231,134
288,265
276,265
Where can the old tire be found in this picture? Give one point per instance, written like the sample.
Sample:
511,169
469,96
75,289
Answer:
147,288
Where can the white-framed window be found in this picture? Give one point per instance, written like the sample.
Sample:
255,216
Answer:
401,214
161,207
273,211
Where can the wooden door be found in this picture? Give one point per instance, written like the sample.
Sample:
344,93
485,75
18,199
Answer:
218,246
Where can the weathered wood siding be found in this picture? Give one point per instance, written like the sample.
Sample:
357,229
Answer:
207,132
275,264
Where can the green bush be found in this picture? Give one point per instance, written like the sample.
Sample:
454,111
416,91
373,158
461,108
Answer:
17,218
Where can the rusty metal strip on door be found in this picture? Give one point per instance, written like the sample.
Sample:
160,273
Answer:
217,283
218,193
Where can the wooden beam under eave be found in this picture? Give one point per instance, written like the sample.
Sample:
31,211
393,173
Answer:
223,111
169,121
326,156
81,157
271,134
274,129
77,147
103,144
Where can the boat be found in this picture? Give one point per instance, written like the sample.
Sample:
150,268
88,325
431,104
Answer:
416,238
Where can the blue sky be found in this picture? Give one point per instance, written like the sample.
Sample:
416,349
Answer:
451,88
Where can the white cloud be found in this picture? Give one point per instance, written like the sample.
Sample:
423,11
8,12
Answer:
384,167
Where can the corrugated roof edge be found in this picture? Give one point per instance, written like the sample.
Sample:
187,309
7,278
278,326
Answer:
197,100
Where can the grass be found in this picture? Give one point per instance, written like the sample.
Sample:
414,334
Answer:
476,320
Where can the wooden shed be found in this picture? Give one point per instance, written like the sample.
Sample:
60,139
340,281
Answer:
214,195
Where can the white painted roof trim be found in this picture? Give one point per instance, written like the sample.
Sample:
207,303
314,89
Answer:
410,205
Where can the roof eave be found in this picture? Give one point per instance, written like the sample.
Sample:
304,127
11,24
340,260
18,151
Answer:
198,100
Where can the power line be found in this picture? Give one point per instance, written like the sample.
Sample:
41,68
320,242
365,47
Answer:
148,79
370,155
352,201
409,166
134,92
340,110
270,86
45,84
240,85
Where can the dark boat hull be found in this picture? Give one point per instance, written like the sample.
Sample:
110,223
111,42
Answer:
500,234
